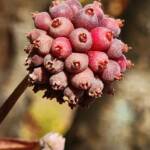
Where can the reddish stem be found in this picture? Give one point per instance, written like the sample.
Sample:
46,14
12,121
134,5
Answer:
16,144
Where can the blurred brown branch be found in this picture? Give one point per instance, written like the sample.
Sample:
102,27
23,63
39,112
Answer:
12,99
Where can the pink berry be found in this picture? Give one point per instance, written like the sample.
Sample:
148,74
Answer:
42,20
53,65
96,89
61,10
112,71
81,40
58,81
124,63
83,80
38,76
97,61
34,34
43,44
72,96
86,18
75,6
102,38
117,48
97,8
61,48
113,24
60,27
34,60
76,63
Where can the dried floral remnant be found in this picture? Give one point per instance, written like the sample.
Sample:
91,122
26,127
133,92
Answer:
52,141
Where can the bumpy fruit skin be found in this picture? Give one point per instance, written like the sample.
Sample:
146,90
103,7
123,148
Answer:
53,65
96,89
76,63
42,20
58,81
34,60
116,49
38,76
112,71
83,80
86,18
43,44
72,96
34,34
124,63
75,6
97,61
61,48
97,8
113,24
81,40
60,26
102,38
61,10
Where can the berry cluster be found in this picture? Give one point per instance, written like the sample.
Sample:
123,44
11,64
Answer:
74,52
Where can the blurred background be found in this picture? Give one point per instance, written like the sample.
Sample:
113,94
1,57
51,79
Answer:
121,122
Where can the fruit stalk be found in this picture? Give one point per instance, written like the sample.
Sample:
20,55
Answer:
12,99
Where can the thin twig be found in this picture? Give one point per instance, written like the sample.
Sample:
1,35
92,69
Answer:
12,99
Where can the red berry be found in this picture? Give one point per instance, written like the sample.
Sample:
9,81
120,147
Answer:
113,24
58,81
81,40
34,34
96,89
61,10
76,63
102,38
43,44
83,80
42,20
112,71
53,65
61,48
86,18
97,61
117,48
60,26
